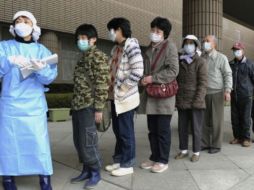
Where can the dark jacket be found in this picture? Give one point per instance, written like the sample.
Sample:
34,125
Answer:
192,81
243,78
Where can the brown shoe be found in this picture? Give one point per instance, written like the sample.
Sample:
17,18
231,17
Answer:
180,156
195,158
235,141
246,143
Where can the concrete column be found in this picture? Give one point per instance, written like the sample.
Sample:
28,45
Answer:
50,40
203,17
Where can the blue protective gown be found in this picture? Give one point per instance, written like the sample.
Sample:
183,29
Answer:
24,141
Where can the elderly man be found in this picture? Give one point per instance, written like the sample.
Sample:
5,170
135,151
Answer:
241,102
219,89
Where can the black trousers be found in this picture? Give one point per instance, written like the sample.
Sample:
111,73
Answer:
85,137
159,137
241,117
195,119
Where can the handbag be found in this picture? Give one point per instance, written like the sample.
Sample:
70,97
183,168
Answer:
106,118
161,90
106,112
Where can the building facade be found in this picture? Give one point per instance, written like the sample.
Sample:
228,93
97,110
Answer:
60,18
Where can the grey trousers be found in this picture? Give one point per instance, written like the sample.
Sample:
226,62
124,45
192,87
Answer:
85,137
195,117
214,121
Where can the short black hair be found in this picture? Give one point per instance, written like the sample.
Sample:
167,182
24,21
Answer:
86,29
163,24
122,23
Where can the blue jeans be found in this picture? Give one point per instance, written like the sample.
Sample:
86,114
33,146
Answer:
123,127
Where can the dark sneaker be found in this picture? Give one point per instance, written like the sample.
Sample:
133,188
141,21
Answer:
214,150
205,148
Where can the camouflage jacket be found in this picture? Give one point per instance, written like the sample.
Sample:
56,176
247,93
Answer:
93,63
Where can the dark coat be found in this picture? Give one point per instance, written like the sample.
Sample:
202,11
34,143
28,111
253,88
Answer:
192,81
243,78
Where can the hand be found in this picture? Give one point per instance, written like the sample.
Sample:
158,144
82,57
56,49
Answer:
38,65
143,83
227,96
18,60
98,117
148,80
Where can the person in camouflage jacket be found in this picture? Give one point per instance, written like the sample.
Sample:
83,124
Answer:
91,78
93,69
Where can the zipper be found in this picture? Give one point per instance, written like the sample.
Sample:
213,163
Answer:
236,73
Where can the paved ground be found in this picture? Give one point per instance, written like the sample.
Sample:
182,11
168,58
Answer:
232,169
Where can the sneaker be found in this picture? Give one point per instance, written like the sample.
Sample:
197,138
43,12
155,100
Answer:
122,171
112,167
246,143
235,141
195,158
159,167
180,155
147,165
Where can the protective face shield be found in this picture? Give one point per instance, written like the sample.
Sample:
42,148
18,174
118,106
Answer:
112,35
189,48
23,30
238,53
207,46
83,45
156,38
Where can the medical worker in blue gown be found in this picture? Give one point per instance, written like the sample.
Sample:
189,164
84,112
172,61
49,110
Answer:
24,141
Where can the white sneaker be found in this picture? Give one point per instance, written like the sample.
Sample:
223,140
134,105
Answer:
112,167
122,171
147,165
159,167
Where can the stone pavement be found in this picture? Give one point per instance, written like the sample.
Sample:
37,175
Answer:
232,169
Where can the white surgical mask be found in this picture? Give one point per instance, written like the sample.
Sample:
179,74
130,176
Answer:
112,35
189,48
155,37
207,46
238,53
23,30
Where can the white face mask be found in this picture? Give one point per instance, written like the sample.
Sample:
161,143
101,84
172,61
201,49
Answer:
23,30
189,48
112,35
238,53
207,46
156,38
